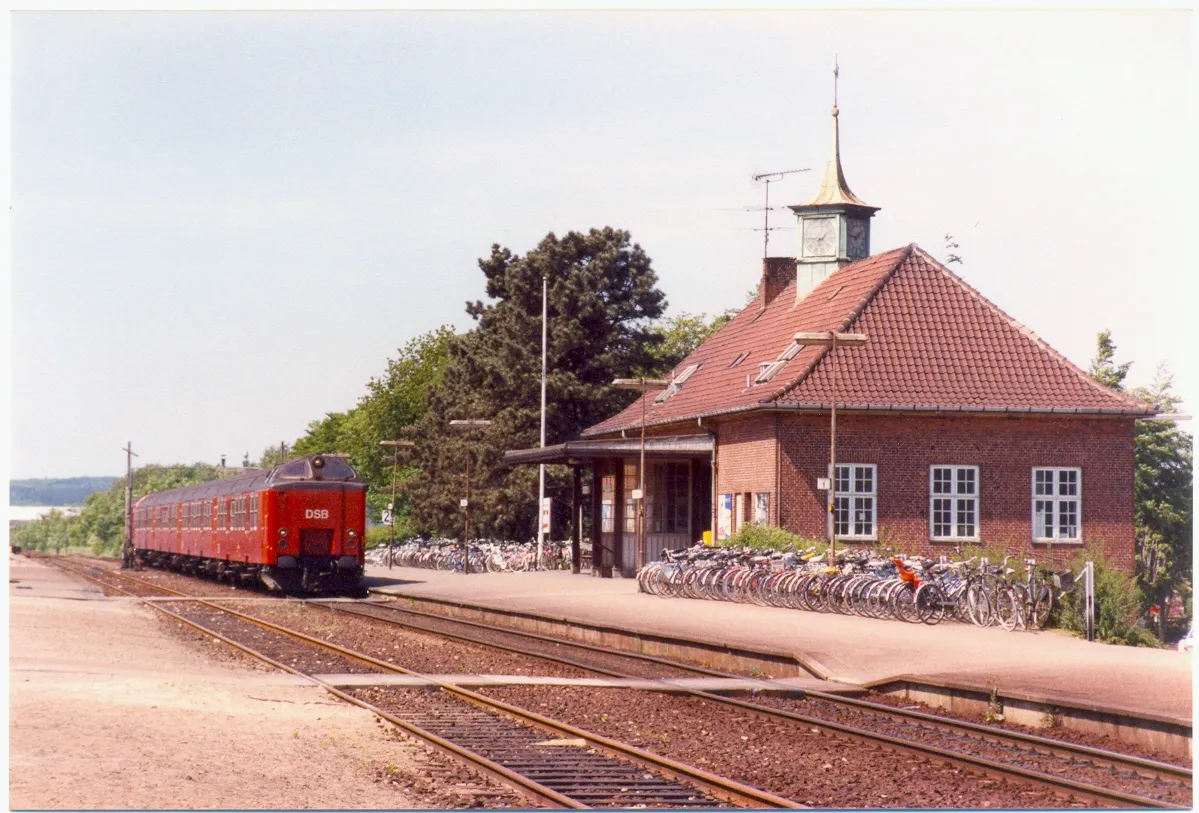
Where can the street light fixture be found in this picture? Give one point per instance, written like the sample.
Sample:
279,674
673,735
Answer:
467,426
643,386
395,446
832,340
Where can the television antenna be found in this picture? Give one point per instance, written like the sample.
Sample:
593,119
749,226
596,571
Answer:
768,178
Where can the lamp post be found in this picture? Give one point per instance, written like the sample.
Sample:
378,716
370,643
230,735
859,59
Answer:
832,340
395,446
466,426
643,386
541,468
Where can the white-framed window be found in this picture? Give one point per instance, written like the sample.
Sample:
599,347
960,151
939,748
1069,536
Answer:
953,502
1057,504
855,501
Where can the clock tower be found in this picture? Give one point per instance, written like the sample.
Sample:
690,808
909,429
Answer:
834,225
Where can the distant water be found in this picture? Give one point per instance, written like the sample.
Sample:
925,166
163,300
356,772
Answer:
26,513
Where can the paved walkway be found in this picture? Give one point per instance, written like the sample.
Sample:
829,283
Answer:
1048,664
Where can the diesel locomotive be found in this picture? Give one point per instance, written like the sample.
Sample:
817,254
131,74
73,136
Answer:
297,528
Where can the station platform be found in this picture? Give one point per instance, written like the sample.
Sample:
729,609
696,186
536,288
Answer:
1049,666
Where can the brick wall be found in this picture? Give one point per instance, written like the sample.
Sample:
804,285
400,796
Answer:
1005,449
746,460
777,274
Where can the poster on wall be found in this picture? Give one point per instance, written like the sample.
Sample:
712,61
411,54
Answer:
724,518
762,508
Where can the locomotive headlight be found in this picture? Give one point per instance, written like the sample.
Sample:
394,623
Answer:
283,533
350,533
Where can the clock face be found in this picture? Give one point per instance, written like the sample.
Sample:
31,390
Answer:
819,237
855,238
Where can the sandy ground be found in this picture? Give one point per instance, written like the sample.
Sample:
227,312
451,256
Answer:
107,710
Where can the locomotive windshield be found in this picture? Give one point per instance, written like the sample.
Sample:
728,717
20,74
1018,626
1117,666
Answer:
337,469
318,467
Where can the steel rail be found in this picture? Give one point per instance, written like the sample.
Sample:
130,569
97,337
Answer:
1058,747
720,787
991,767
530,788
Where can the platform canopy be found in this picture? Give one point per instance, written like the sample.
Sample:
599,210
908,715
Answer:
578,451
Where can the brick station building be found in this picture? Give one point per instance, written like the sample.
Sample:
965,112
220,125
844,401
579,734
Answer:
955,424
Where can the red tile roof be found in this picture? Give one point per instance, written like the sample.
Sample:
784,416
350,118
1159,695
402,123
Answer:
934,344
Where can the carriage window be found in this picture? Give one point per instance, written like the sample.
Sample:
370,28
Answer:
253,512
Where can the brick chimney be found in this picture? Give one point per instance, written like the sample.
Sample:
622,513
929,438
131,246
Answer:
777,274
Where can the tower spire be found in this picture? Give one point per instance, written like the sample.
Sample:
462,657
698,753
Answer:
834,189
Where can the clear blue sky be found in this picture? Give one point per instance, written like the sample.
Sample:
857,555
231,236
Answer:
224,223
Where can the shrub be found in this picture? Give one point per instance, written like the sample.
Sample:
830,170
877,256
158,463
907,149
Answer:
770,537
1117,603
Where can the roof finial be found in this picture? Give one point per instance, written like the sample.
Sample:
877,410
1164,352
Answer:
836,73
833,189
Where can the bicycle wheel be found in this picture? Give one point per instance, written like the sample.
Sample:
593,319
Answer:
1007,609
930,603
1042,607
1023,605
978,606
904,604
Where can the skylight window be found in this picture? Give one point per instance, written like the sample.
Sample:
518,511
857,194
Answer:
676,385
740,357
767,370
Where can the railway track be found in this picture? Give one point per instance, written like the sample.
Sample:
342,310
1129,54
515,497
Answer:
997,752
992,751
551,762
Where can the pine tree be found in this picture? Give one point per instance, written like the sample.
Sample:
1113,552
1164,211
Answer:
1103,368
602,294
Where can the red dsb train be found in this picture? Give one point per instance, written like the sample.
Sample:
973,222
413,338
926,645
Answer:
296,528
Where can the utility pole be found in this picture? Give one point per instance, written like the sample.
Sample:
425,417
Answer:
467,426
644,386
128,557
541,468
391,506
282,452
832,340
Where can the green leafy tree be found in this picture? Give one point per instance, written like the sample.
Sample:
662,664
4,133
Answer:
100,525
602,298
1163,486
1164,498
393,402
681,334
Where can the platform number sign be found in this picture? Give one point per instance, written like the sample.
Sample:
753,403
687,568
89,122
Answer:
386,520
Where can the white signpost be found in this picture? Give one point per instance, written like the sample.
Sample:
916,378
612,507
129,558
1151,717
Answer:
1088,572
